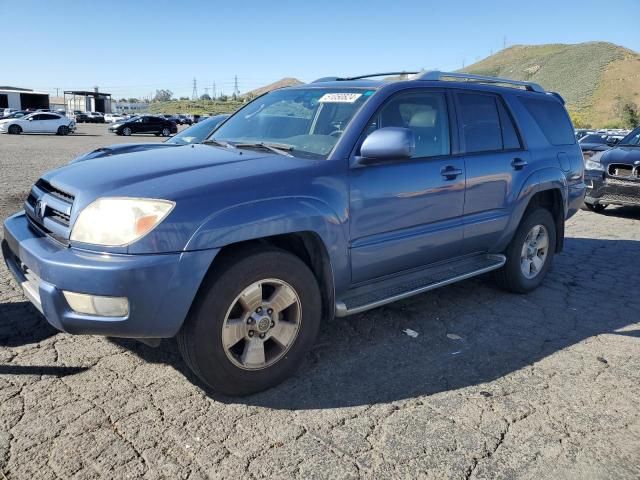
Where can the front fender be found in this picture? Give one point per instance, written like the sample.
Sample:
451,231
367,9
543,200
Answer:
278,216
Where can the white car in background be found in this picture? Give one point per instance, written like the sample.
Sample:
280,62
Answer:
113,117
38,122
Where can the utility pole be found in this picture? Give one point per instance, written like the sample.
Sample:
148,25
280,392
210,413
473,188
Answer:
463,63
504,42
213,91
236,92
56,92
194,94
206,90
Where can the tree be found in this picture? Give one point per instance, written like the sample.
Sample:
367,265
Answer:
163,95
630,116
184,98
123,100
223,98
578,120
133,100
205,96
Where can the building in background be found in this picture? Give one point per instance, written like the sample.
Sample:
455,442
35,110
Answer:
23,98
87,101
129,107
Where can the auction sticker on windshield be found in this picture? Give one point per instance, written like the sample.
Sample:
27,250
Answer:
339,97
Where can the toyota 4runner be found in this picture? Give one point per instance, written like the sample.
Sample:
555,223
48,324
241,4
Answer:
314,201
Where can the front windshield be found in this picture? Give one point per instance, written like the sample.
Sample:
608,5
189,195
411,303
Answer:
632,139
198,132
308,121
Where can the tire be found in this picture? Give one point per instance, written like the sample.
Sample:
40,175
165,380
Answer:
512,276
165,132
15,130
63,130
595,207
126,131
201,338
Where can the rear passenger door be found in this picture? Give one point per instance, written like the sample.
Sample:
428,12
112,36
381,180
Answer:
494,159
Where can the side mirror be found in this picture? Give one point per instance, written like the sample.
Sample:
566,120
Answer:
385,144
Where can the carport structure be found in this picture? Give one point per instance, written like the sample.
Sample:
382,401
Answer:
87,101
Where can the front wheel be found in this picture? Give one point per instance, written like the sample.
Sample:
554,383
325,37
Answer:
165,132
15,130
63,130
530,253
253,322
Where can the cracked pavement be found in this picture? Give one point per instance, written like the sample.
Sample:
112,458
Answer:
545,385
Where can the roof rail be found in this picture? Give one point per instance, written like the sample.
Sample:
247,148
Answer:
360,77
436,75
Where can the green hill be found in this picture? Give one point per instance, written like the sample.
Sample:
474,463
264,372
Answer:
596,78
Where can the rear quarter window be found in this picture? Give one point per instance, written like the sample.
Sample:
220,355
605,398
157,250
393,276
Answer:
552,119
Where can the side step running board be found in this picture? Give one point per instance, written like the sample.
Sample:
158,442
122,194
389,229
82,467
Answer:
389,290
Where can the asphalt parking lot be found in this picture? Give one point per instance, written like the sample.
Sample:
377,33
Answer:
495,385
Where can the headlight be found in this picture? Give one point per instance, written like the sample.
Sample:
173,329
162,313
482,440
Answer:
118,221
593,162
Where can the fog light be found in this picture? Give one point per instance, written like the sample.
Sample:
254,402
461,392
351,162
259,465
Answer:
97,305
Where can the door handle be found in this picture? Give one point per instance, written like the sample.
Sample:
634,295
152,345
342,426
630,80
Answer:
450,172
518,163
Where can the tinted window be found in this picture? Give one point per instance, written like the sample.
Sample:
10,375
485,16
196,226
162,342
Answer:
425,114
510,139
480,122
552,119
49,117
593,139
632,139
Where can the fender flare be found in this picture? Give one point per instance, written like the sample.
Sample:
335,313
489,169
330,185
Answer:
258,219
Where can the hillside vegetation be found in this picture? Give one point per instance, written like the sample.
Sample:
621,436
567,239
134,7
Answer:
596,78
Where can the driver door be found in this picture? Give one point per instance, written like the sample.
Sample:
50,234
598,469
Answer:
407,213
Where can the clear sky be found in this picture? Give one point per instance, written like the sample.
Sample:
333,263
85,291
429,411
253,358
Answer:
131,48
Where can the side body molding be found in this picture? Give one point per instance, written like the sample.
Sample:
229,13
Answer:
278,216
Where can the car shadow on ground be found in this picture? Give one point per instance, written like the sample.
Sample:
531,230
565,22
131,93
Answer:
21,324
469,334
622,212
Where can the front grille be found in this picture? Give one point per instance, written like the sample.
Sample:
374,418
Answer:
49,210
621,170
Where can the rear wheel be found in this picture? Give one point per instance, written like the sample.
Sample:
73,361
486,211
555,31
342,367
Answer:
126,131
253,322
165,132
15,129
530,253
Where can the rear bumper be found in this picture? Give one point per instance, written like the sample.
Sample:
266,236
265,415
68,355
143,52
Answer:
611,191
160,288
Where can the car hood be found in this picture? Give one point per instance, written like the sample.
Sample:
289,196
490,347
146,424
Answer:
168,173
594,146
625,155
120,149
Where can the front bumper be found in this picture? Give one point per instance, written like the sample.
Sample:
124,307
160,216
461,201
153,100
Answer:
611,191
160,287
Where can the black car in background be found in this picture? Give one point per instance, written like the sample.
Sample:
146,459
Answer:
596,142
613,176
81,118
145,124
195,134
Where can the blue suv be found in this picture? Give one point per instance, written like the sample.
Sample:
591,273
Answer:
314,201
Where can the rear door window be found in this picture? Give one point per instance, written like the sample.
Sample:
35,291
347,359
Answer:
552,119
480,122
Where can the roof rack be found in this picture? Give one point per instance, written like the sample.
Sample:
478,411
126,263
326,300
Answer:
436,75
360,77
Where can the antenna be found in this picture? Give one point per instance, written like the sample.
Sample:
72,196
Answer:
194,95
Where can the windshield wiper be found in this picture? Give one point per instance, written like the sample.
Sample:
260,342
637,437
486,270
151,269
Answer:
219,143
279,148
